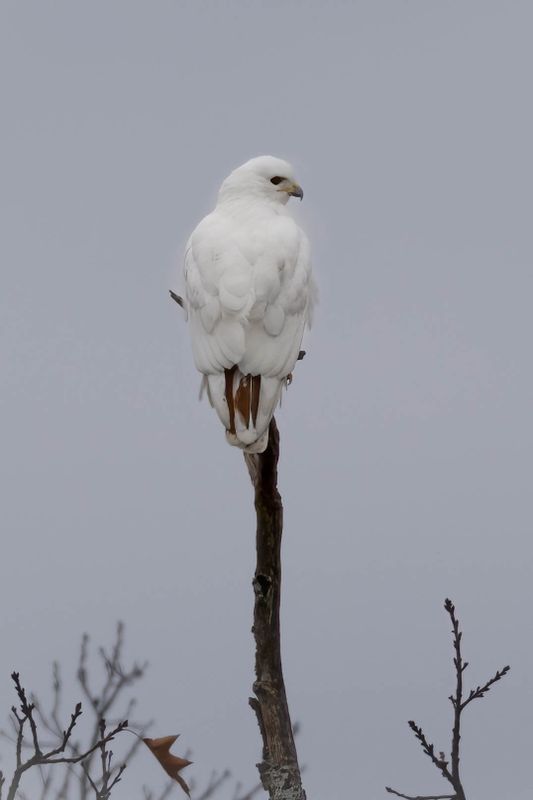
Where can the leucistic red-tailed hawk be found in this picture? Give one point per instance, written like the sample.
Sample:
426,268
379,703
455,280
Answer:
249,297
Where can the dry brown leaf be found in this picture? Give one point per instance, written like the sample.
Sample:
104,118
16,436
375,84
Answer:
171,764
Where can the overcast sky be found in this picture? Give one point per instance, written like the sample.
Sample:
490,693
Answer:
406,434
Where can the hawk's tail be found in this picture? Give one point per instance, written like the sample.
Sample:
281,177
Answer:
245,405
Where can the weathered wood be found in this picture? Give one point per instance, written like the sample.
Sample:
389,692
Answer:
279,770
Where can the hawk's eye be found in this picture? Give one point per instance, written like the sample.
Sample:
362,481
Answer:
276,180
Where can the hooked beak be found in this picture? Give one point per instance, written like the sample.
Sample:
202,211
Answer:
293,190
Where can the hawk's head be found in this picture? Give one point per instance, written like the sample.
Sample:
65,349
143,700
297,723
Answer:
263,177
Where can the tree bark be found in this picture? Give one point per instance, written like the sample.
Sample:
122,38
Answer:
279,770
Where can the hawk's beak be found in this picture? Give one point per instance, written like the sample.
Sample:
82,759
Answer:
293,189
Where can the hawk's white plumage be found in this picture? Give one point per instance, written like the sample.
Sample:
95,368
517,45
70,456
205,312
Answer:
249,296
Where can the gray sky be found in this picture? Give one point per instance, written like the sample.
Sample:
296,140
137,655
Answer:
407,436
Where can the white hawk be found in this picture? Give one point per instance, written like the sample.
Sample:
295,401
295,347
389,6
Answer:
249,297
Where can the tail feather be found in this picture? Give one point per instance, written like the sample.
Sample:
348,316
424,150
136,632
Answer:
245,405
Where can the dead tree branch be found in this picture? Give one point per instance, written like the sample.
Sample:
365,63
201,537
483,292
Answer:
450,768
279,770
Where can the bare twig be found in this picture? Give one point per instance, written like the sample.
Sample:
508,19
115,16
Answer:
27,710
279,770
66,734
481,690
457,700
103,787
420,796
20,735
83,756
452,774
429,749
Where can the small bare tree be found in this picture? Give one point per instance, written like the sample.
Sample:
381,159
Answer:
43,755
449,767
89,770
